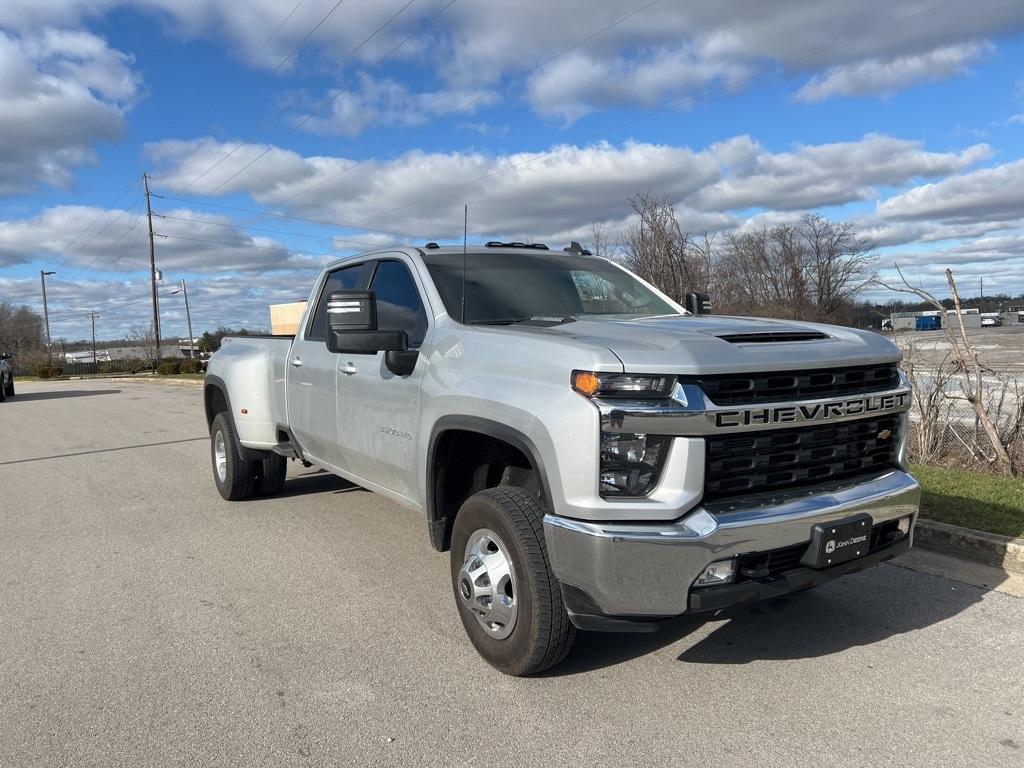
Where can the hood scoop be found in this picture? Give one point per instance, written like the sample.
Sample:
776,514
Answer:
772,337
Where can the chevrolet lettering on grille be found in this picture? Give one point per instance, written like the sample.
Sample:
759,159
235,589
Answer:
798,414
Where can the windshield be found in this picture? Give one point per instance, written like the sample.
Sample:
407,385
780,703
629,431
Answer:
510,287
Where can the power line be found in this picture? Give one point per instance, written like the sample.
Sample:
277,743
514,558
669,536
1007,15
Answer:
267,121
222,242
309,34
641,118
118,241
88,226
322,222
274,34
234,225
333,98
484,95
265,79
105,308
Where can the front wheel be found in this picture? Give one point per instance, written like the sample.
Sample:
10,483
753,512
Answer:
9,389
508,598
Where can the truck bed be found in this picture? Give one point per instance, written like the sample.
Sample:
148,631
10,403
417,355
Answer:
257,366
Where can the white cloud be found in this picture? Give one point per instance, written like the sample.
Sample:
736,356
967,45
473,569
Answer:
386,102
62,92
987,194
563,188
580,83
884,77
510,194
813,176
117,243
666,51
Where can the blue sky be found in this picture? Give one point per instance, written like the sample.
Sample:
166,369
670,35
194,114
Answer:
381,119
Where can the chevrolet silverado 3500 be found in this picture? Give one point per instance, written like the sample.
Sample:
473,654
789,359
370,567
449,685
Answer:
592,455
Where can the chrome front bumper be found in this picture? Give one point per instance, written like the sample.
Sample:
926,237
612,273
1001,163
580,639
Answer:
647,570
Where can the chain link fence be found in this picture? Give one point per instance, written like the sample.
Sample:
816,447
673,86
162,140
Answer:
945,428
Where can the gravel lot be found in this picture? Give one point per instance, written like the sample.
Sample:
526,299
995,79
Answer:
146,622
999,349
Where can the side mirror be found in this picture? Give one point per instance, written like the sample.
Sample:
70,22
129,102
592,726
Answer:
698,303
352,325
6,356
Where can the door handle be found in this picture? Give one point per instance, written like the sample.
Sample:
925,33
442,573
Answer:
348,369
296,361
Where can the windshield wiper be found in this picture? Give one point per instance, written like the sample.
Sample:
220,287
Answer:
538,319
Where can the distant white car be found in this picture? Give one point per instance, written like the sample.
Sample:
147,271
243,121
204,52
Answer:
991,322
6,377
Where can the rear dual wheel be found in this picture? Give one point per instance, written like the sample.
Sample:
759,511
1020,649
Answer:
239,474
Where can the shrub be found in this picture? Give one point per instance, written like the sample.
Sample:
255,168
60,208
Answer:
48,372
169,367
189,366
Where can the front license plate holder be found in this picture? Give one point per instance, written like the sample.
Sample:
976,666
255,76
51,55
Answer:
838,542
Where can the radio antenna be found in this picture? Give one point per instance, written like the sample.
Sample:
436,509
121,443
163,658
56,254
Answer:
465,239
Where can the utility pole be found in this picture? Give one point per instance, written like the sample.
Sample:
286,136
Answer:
46,315
152,267
93,316
188,316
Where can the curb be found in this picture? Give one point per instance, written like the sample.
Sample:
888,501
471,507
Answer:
988,548
154,380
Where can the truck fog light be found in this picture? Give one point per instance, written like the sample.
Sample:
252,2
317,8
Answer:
904,525
721,572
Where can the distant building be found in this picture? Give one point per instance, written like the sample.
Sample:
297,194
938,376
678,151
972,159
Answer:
907,321
111,354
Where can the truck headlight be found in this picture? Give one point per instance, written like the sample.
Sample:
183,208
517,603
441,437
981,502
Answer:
627,385
631,463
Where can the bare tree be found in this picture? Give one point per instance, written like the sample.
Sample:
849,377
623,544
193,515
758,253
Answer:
763,271
143,338
599,244
658,250
969,373
838,262
21,329
812,269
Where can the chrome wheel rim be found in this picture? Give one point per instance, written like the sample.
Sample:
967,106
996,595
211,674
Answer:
220,456
486,584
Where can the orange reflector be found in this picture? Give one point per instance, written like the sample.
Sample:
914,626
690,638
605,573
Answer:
585,382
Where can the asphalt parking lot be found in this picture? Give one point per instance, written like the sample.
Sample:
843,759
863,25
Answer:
146,622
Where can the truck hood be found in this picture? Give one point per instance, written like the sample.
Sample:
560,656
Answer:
692,344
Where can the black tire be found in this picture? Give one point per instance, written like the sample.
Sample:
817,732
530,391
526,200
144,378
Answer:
542,635
3,393
240,472
9,391
272,472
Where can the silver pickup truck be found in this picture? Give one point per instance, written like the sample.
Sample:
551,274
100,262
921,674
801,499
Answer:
593,455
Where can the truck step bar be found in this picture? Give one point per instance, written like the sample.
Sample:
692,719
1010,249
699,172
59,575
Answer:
287,450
